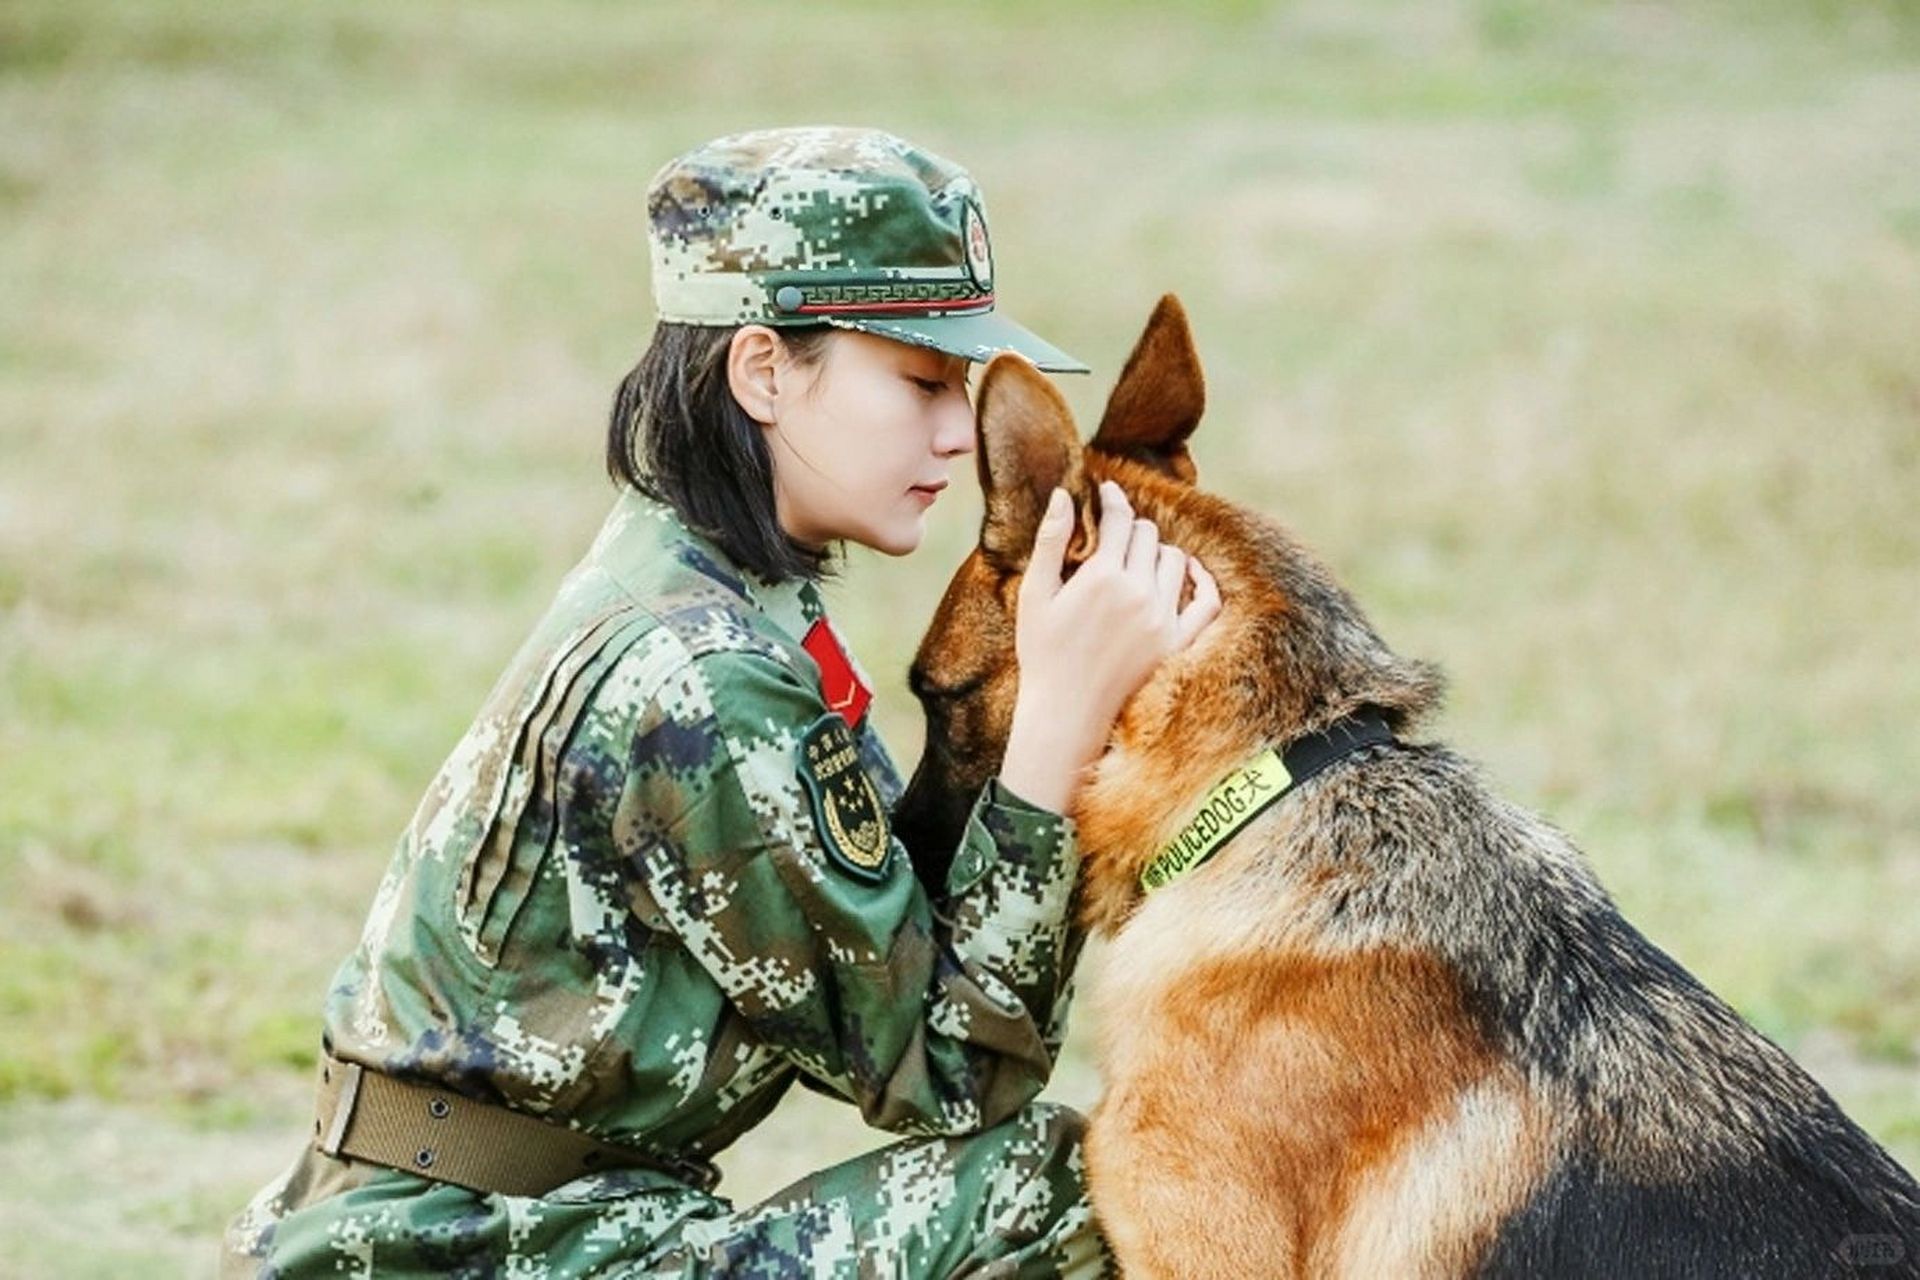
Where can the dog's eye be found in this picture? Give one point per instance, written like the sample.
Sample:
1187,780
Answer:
931,692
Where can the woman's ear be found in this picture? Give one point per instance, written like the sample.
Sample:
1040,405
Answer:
753,363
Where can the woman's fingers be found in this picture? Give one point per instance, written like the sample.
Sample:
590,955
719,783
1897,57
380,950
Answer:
1143,550
1204,606
1169,576
1116,527
1042,580
1132,546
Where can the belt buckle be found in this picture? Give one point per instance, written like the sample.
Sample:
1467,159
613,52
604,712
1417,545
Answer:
349,1093
703,1174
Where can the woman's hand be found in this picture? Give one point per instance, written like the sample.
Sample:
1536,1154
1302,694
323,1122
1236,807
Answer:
1085,646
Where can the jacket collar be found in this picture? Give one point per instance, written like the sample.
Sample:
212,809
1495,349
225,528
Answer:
640,528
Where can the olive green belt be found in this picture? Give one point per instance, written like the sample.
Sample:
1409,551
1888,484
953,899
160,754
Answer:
436,1133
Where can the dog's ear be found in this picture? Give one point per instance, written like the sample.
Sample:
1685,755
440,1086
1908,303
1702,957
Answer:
1028,444
1158,400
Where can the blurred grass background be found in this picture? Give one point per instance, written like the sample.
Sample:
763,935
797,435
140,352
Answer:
1583,340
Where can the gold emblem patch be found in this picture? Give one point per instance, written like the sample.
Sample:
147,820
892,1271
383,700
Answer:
846,808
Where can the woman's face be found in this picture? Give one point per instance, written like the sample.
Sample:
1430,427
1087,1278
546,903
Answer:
864,439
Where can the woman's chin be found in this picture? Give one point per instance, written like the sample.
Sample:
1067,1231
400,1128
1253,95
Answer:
899,538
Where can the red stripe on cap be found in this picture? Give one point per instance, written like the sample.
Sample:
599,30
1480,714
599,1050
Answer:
969,304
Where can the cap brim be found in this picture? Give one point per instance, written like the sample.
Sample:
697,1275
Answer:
976,337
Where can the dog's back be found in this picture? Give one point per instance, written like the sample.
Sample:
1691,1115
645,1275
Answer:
1682,1142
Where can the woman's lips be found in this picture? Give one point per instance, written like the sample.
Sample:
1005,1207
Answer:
928,491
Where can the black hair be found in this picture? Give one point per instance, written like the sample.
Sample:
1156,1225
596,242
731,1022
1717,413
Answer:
677,435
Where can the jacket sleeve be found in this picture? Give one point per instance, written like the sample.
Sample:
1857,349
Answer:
813,922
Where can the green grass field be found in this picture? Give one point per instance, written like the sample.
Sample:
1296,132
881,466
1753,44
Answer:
1584,341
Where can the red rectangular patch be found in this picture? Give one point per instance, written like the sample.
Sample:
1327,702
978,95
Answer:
839,686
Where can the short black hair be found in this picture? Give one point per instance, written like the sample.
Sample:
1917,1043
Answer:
677,435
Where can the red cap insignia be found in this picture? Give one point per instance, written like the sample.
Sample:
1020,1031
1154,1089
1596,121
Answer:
839,685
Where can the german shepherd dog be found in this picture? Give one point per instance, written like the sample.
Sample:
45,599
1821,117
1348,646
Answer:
1392,1027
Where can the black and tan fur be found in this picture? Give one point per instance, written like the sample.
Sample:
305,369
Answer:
1395,1028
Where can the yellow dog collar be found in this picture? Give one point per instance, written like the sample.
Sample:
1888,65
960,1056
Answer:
1244,794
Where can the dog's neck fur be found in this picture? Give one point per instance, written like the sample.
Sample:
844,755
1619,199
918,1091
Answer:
1290,654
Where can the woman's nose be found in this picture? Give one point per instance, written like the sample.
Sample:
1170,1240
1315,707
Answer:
955,431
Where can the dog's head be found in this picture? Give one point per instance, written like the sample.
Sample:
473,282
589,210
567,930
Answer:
1289,654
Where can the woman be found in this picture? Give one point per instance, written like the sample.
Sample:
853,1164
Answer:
654,885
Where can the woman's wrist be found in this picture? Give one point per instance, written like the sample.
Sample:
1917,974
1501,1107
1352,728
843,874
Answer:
1046,754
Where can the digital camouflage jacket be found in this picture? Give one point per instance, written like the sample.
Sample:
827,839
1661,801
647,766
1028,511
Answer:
653,886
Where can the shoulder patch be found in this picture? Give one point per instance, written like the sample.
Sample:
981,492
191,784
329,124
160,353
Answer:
846,808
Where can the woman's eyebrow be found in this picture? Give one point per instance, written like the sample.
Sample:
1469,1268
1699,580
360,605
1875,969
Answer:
945,371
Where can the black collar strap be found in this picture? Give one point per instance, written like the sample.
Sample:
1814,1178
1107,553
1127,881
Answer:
1246,792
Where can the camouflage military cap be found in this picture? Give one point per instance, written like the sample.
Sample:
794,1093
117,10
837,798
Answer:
855,227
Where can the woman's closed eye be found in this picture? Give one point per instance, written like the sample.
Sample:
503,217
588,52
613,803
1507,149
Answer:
928,386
